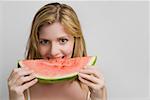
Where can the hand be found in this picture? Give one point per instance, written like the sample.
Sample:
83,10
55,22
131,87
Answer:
19,80
94,80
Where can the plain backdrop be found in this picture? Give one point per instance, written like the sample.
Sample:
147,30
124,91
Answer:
116,32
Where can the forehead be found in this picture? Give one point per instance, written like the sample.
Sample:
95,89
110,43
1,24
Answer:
53,31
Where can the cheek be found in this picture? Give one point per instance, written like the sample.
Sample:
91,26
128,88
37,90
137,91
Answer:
43,51
68,49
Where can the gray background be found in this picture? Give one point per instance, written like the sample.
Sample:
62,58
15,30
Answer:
117,32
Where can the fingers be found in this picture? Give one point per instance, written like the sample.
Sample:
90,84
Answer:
92,71
13,73
25,79
87,82
91,81
20,89
89,78
92,78
21,79
29,84
19,73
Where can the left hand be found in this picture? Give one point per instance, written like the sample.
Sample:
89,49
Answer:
94,80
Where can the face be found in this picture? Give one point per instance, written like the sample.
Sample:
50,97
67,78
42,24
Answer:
54,42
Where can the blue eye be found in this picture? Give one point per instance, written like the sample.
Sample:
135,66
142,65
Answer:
44,42
63,40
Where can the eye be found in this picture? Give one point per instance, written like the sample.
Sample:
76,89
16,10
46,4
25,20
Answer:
63,40
44,42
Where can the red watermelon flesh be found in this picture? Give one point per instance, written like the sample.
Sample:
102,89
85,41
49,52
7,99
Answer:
54,70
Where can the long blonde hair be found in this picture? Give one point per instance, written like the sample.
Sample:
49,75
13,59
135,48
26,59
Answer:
47,15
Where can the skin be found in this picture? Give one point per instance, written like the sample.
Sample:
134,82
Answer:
54,42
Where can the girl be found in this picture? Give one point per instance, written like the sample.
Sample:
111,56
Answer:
56,33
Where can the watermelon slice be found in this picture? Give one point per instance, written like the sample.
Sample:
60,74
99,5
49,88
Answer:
56,70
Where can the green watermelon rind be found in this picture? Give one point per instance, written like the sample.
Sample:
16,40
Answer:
56,81
66,77
92,61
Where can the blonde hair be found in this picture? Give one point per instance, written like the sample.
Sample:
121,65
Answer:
49,14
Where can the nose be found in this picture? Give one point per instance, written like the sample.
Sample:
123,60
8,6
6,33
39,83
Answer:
54,50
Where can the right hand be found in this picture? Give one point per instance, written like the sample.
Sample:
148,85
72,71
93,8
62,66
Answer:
19,80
